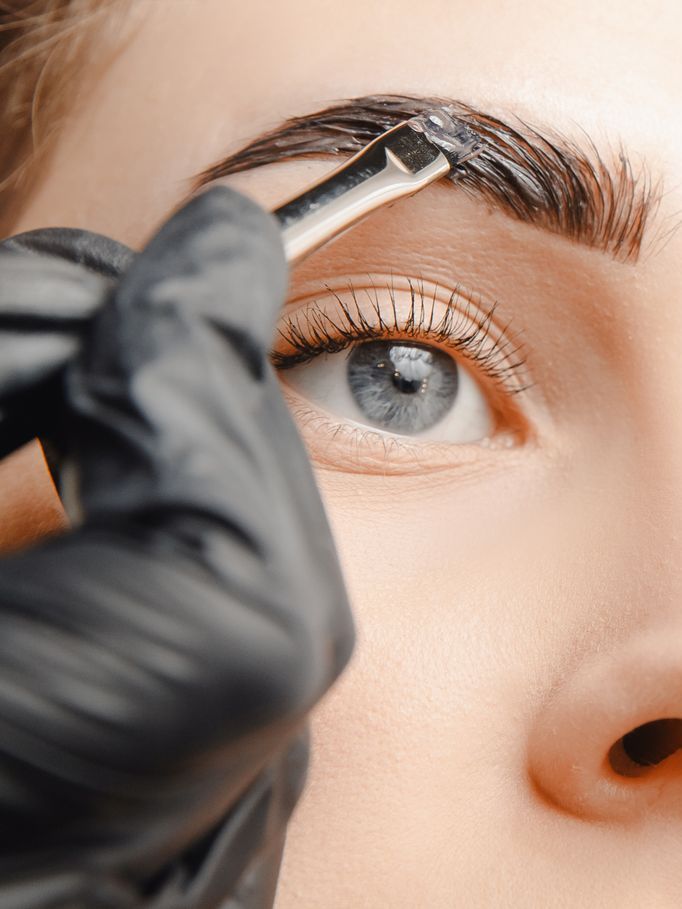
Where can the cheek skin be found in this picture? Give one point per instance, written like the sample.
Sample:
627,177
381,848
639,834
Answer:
31,508
471,602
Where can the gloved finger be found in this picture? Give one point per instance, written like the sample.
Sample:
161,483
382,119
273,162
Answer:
51,282
95,253
179,417
195,313
241,856
182,633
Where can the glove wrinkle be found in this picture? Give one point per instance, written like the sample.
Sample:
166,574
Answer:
52,282
95,252
158,663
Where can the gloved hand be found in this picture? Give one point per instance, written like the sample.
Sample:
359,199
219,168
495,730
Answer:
157,663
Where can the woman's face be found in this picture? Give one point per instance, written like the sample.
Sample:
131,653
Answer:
514,567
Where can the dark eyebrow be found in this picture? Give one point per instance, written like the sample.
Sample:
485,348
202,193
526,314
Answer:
542,179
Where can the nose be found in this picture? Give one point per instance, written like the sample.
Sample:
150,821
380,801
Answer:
606,744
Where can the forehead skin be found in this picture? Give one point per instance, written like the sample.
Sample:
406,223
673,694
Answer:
418,786
202,76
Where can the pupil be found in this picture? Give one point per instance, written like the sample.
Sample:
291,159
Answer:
411,368
403,386
408,386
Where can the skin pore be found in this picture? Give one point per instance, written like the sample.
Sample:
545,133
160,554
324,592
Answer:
517,602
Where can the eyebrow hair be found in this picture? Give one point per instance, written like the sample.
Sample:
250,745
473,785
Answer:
542,179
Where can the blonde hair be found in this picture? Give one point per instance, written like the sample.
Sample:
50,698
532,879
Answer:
42,47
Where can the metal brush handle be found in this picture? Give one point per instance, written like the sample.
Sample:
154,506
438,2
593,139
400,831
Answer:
399,163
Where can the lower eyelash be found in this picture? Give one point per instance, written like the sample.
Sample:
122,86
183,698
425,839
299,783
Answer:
365,450
312,331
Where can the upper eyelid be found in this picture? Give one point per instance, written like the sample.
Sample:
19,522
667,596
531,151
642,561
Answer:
495,361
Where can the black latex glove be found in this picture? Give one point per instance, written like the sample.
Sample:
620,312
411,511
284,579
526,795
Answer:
157,664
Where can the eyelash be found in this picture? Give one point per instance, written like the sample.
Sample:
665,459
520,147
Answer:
313,331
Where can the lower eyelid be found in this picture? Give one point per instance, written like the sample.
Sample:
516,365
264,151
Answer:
351,448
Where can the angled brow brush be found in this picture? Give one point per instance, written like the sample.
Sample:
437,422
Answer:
399,163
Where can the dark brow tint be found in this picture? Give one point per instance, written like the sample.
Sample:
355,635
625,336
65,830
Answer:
542,179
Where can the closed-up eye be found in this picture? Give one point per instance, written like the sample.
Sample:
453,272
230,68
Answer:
387,365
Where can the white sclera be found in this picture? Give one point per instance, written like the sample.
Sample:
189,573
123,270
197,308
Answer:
323,383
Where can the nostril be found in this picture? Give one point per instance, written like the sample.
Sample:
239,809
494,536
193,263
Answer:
607,741
645,747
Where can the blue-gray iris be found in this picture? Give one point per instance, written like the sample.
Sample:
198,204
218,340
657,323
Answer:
402,386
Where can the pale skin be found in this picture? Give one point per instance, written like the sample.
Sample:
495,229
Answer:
519,609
